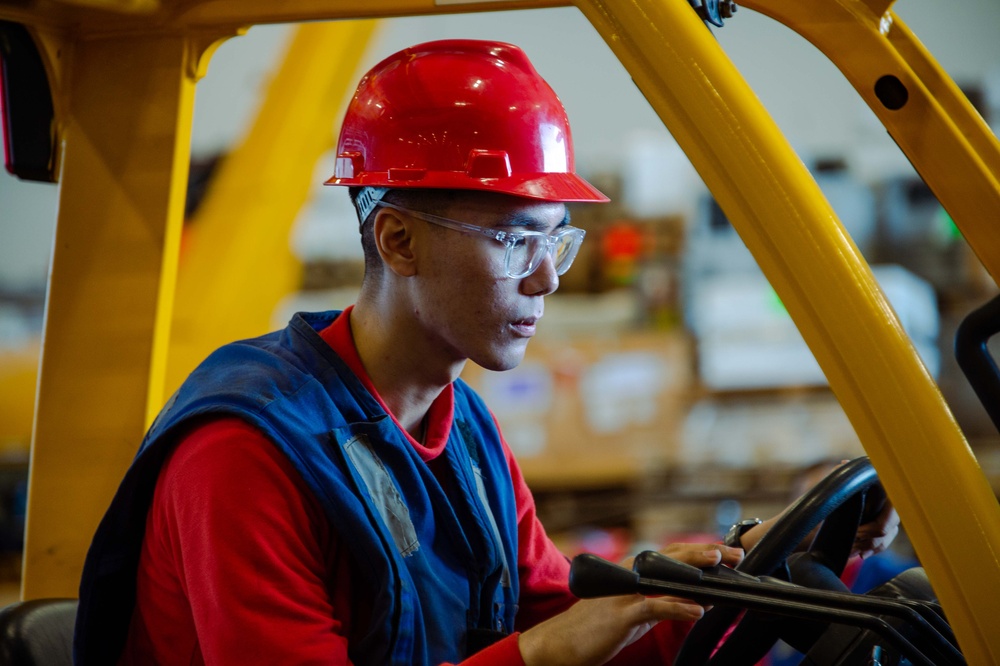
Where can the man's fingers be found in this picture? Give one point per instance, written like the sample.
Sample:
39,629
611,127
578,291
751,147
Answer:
868,547
704,554
876,536
731,556
655,609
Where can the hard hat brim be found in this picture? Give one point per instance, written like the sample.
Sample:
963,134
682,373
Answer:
565,187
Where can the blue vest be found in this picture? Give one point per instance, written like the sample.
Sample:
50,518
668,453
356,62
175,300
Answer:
438,562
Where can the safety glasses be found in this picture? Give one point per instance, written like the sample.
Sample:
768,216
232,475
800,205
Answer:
526,250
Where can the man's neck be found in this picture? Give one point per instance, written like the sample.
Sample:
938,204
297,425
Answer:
407,379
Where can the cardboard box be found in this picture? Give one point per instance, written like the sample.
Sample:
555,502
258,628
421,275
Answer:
591,411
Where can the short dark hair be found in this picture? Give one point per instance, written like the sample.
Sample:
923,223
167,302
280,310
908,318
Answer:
433,201
373,263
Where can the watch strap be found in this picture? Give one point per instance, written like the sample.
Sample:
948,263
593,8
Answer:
734,535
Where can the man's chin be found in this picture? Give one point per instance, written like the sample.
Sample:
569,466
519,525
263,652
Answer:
502,362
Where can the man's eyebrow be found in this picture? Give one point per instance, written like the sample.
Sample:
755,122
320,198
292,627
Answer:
532,223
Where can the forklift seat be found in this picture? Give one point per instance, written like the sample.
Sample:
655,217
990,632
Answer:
39,631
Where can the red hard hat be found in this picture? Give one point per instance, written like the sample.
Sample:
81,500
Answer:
459,114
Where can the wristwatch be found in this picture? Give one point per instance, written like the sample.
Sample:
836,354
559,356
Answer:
737,531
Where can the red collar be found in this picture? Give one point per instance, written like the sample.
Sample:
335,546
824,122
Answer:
439,416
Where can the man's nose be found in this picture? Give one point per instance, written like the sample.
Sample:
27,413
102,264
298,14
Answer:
544,280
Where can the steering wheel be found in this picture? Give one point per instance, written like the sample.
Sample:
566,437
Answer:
838,501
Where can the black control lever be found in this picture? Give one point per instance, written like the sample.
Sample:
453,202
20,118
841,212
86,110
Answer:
592,576
974,357
651,564
933,631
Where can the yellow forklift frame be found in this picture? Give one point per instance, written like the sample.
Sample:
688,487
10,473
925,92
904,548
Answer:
122,74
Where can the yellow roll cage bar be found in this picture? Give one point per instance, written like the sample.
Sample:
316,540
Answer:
123,168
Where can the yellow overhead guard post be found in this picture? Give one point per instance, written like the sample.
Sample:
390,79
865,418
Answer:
125,137
238,264
934,124
908,431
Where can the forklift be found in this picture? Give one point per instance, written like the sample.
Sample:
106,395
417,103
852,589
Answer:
122,170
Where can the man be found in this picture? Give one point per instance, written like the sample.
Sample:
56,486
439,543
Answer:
333,493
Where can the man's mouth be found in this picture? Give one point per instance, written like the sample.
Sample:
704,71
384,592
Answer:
525,326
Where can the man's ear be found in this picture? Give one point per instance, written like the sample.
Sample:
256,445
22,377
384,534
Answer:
394,240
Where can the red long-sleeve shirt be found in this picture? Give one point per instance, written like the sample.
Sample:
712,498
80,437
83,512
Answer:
239,565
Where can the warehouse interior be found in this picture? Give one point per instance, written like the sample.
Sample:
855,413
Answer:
668,393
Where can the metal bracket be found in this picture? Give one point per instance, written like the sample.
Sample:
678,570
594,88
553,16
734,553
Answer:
714,11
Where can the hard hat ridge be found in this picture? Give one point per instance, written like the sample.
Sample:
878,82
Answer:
459,114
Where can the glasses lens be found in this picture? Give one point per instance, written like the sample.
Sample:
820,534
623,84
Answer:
567,244
525,254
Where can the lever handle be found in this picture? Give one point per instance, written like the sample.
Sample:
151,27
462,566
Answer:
651,564
592,576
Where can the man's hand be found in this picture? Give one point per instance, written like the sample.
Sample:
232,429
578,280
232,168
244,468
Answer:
871,538
874,537
593,631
